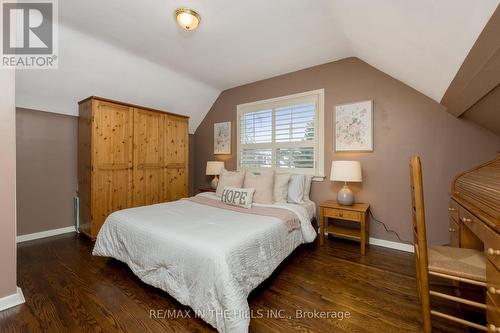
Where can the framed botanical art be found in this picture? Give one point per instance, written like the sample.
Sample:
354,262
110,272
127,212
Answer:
222,138
354,127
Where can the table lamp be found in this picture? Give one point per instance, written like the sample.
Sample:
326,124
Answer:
213,169
345,171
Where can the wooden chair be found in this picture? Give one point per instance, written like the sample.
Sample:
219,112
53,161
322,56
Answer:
456,264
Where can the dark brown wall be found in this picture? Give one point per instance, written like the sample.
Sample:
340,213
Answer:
406,123
46,170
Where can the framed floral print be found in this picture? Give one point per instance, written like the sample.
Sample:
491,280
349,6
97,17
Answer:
354,127
222,138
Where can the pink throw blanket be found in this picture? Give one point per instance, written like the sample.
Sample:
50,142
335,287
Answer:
289,218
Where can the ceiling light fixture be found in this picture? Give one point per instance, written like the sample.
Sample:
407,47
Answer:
187,18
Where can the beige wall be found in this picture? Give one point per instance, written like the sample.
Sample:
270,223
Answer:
406,123
7,183
46,170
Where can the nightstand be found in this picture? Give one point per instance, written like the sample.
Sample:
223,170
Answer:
202,189
356,214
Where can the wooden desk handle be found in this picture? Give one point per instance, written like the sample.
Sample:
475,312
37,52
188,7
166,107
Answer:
451,209
464,219
493,252
493,328
492,290
452,229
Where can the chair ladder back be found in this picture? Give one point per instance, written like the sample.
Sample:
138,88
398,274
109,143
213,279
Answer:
420,240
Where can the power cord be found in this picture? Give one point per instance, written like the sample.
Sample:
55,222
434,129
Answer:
389,231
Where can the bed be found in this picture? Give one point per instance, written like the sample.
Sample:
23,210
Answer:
206,257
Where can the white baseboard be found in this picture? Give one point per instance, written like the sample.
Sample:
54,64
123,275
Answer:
389,244
43,234
392,245
12,300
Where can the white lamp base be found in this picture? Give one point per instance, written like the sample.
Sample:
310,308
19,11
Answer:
214,182
345,196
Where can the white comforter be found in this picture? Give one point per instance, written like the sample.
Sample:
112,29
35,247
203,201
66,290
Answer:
205,257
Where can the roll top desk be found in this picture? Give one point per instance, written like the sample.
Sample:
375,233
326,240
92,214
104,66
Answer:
474,217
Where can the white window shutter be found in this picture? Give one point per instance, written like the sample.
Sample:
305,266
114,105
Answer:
283,134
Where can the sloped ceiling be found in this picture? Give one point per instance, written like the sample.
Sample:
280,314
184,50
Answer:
134,51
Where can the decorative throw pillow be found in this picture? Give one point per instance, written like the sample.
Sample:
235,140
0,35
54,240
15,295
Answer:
296,189
307,188
229,179
241,197
281,181
263,185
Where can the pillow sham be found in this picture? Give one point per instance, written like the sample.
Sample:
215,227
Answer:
307,188
281,181
229,179
296,189
263,185
241,197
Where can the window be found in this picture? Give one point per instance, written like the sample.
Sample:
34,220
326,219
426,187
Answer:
283,134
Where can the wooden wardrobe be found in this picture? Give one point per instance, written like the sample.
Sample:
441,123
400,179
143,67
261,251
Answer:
128,156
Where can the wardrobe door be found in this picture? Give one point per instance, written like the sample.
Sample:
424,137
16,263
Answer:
176,163
148,157
112,161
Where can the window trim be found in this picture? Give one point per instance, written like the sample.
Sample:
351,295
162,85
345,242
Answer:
319,128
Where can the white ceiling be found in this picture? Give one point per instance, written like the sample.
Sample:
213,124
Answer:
134,51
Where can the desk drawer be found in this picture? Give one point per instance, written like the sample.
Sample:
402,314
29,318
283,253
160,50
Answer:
472,222
492,247
454,230
493,315
342,214
453,209
493,282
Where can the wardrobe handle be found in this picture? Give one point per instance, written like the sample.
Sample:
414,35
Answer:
464,219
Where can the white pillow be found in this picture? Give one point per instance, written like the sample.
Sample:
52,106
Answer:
296,189
307,188
280,192
263,185
231,179
241,197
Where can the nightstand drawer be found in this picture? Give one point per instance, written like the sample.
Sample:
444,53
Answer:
342,214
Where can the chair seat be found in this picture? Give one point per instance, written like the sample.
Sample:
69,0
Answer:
460,262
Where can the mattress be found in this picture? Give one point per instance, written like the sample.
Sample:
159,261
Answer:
206,257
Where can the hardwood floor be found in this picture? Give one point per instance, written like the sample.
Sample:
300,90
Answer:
69,290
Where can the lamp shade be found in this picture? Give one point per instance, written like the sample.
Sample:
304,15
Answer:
346,171
214,168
